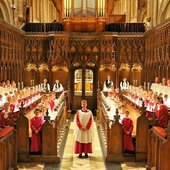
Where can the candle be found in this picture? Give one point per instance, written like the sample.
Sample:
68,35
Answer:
22,85
18,86
148,86
144,86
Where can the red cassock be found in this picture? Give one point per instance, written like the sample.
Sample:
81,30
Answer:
128,127
4,118
36,124
52,105
162,115
83,139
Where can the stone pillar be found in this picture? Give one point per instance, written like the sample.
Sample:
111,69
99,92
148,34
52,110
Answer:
134,7
44,11
155,12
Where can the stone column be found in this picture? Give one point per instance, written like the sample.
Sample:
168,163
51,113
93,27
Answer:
128,10
154,12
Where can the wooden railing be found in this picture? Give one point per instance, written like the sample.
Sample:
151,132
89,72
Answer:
8,151
125,27
159,148
112,133
43,27
52,133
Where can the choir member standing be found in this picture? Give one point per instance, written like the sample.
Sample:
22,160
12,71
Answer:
162,113
36,126
58,86
46,86
124,85
83,130
157,80
127,125
5,115
164,83
108,84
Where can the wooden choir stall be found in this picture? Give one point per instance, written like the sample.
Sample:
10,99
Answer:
53,130
8,148
15,139
108,120
158,148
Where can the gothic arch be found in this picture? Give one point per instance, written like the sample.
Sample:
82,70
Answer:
6,11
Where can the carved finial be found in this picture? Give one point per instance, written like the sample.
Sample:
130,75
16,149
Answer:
47,117
143,108
117,116
167,130
22,109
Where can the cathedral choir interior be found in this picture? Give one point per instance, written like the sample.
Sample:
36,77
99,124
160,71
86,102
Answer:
112,54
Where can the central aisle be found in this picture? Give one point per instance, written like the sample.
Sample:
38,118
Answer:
71,161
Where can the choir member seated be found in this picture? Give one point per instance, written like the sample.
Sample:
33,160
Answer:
36,125
168,82
127,125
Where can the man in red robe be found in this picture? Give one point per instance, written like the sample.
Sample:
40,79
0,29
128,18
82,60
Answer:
162,113
83,130
127,125
36,126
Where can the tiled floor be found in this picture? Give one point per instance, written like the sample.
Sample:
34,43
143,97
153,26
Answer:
71,161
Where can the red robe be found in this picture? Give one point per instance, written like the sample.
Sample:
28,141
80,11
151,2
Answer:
162,115
127,126
36,124
83,147
4,118
52,105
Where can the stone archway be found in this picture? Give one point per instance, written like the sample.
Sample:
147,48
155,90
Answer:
5,11
1,15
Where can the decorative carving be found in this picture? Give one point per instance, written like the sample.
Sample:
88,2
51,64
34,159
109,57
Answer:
43,67
107,66
30,67
124,66
59,68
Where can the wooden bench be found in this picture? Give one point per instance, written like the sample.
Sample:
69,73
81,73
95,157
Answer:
158,148
8,151
112,133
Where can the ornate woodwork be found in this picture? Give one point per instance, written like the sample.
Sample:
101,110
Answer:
157,52
11,52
